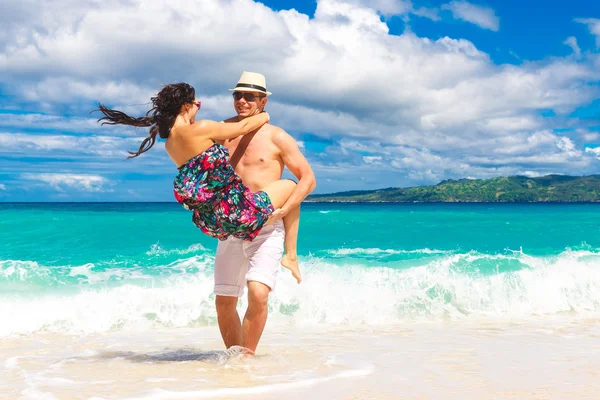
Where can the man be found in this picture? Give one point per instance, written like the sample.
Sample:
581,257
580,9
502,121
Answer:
259,159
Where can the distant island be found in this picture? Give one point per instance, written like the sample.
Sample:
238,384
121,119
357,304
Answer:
512,189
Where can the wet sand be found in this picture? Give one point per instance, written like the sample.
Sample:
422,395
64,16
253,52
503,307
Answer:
545,358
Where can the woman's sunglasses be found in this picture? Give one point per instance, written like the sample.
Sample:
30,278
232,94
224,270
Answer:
198,103
247,96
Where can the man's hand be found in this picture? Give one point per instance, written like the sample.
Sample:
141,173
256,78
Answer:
278,214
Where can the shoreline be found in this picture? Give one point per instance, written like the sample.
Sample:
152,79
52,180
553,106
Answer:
450,202
2,203
550,358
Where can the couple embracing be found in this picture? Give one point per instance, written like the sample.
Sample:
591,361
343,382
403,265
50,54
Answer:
229,176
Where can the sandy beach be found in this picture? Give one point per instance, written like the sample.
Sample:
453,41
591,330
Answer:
557,358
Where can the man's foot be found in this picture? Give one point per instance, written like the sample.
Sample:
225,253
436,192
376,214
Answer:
237,352
291,263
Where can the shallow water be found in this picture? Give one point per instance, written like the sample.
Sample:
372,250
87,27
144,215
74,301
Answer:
551,358
114,301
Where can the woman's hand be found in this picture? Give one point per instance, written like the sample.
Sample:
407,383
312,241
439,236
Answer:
259,111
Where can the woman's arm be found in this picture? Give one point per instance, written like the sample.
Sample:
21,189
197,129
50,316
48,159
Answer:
220,131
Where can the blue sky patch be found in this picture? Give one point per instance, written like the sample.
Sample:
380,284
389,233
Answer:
379,93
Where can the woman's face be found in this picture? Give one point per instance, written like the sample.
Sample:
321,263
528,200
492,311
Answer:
193,110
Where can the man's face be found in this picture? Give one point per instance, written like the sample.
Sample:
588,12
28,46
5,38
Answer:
247,103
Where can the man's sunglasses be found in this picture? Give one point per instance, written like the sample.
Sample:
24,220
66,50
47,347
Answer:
247,96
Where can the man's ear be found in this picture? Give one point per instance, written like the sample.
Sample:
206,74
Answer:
265,100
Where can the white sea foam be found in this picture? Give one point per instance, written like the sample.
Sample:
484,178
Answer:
31,272
449,286
11,363
377,251
157,250
257,390
89,274
17,270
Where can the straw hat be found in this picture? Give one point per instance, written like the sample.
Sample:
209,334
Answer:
251,82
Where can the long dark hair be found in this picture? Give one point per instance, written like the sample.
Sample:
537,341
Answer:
166,106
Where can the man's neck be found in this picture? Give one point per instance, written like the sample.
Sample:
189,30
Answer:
241,118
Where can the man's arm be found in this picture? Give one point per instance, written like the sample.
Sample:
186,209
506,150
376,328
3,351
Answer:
295,161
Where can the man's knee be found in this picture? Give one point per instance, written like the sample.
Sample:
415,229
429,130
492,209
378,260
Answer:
225,304
258,295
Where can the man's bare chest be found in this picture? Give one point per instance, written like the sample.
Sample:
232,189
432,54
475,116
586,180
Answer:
252,153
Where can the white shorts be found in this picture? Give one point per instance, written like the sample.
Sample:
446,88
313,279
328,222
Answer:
239,261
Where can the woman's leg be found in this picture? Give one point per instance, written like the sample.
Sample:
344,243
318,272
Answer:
290,259
279,192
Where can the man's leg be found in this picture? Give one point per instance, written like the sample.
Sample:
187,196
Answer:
231,265
229,320
256,314
264,253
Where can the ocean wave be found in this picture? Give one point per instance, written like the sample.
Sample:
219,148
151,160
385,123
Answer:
157,250
14,273
22,270
452,286
377,251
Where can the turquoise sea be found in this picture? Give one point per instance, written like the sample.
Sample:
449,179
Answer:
398,301
96,267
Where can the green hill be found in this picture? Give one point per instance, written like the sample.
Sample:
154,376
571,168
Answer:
513,189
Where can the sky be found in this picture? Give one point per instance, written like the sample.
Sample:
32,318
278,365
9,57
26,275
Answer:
379,93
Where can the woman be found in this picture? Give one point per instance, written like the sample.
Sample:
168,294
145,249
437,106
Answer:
207,183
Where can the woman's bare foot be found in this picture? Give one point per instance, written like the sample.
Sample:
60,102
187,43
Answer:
291,263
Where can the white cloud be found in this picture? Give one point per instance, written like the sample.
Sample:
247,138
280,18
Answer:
63,90
2,186
311,63
41,122
92,155
571,41
396,7
416,166
568,147
590,136
593,25
61,181
593,150
372,159
531,174
105,146
431,13
386,7
512,155
339,75
484,17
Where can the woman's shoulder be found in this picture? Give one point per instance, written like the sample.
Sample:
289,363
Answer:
199,124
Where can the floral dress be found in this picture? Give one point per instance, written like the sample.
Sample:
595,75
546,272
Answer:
222,205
